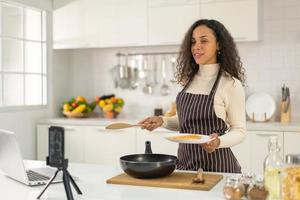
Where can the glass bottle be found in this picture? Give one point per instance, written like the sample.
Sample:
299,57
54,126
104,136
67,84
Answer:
272,170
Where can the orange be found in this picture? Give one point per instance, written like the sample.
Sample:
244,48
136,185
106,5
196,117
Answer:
109,115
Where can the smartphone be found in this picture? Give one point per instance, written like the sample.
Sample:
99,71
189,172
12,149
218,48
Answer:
56,146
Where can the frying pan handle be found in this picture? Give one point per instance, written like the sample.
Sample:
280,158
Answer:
148,149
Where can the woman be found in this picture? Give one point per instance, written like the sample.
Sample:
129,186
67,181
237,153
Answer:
212,101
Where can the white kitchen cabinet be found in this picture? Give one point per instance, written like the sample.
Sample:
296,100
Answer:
68,23
291,143
74,145
94,23
259,148
107,146
122,23
240,17
169,20
242,153
158,143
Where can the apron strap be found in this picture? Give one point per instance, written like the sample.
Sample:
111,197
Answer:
215,86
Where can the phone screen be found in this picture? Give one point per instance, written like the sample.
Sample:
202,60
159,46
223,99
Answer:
56,146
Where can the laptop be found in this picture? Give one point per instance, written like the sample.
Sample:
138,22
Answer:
12,164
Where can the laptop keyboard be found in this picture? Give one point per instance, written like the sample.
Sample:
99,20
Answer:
34,176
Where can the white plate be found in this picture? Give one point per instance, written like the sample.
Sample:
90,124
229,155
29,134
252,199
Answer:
175,137
260,105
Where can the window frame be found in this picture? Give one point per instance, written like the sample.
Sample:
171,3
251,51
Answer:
44,42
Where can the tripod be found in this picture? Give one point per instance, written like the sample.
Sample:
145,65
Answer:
67,178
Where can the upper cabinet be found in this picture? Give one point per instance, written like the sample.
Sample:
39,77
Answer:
122,23
67,24
94,23
117,22
169,20
240,17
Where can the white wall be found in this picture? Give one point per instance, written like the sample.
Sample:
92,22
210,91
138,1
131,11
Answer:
22,122
269,64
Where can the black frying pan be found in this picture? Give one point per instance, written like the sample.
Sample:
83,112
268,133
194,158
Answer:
148,165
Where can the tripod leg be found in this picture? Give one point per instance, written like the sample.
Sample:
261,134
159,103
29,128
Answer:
47,185
73,183
67,185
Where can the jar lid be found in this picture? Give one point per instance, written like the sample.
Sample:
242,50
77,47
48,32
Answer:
292,159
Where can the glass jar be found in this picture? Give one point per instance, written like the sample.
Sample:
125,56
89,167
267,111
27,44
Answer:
233,189
247,179
291,178
257,190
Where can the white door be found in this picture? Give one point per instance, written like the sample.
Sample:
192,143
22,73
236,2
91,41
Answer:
158,143
240,17
107,146
259,148
122,22
291,143
73,142
68,23
169,20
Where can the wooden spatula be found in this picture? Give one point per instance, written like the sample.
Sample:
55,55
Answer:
120,125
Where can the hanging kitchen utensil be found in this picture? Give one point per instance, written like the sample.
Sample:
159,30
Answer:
120,125
147,89
115,75
164,89
123,74
148,165
155,70
134,77
173,65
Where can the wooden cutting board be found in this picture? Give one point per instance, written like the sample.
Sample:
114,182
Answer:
179,180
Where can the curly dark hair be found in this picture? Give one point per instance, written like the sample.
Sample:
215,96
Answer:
227,57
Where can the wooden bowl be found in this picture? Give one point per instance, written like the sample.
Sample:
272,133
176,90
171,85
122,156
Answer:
76,115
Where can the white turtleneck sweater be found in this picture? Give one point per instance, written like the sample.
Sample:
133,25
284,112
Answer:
229,103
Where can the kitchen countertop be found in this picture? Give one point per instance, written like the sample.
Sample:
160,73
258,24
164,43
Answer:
251,126
92,182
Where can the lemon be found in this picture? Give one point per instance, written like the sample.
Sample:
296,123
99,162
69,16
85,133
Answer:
80,98
118,109
108,107
67,107
101,103
108,101
79,109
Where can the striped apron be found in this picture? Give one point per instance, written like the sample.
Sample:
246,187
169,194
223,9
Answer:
196,114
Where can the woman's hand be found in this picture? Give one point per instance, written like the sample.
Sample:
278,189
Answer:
151,123
212,145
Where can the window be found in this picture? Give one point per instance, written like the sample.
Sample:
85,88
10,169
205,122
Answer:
23,56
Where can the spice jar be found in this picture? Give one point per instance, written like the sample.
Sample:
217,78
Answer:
233,189
291,177
247,179
257,190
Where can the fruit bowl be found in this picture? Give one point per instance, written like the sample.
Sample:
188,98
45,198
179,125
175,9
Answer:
78,108
110,105
76,115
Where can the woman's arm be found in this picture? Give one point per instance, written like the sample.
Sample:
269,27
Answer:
236,117
171,123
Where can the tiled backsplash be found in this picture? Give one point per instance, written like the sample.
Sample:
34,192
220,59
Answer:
269,63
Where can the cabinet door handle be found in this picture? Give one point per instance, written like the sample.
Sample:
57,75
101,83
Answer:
266,135
109,130
68,128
